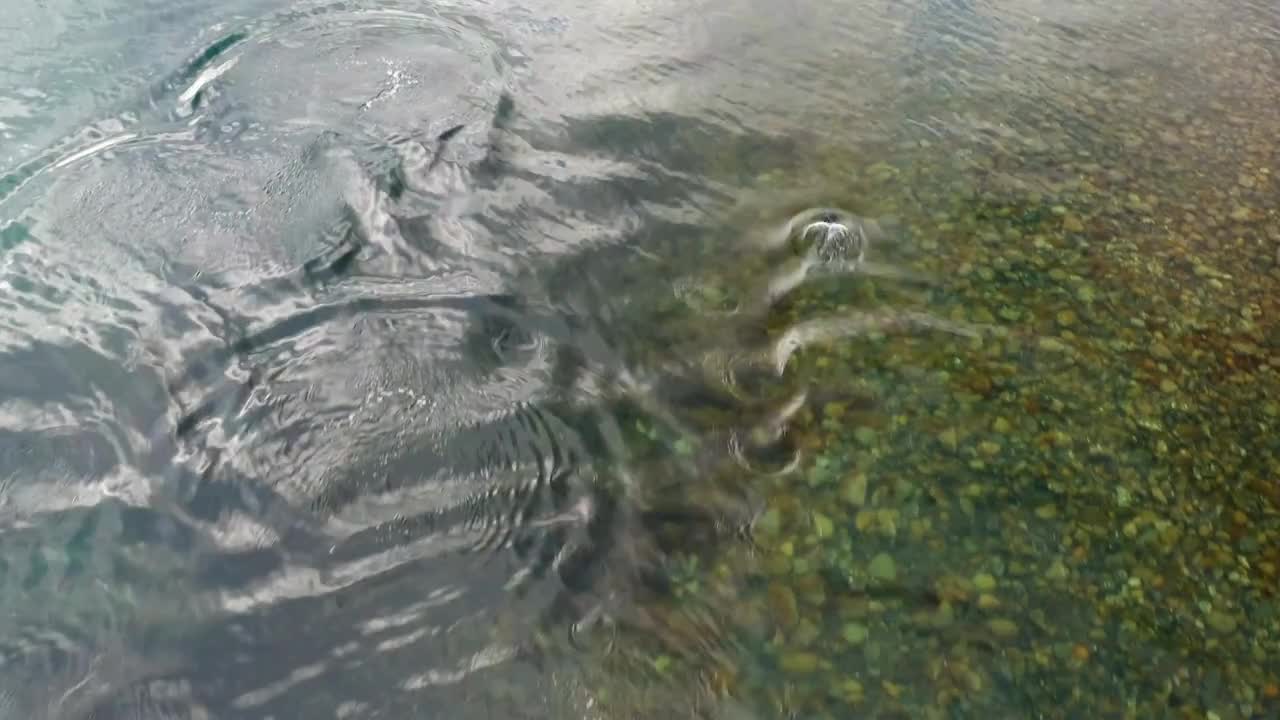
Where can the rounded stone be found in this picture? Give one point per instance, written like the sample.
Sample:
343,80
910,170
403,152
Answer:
883,568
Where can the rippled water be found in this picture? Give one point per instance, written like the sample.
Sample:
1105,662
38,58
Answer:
471,360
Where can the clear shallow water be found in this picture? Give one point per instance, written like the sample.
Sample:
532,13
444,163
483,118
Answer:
309,412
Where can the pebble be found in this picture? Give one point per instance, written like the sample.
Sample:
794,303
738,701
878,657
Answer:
864,520
1003,627
949,438
855,633
984,582
1002,426
1168,385
1221,622
1123,496
770,522
854,490
1052,344
883,568
1202,270
1066,318
851,690
945,615
822,525
1072,224
800,662
782,600
989,448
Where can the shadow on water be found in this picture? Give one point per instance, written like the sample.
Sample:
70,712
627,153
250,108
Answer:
423,534
377,486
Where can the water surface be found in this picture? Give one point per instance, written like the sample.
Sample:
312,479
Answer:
405,359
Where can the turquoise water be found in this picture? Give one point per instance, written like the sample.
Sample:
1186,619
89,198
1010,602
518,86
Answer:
604,360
